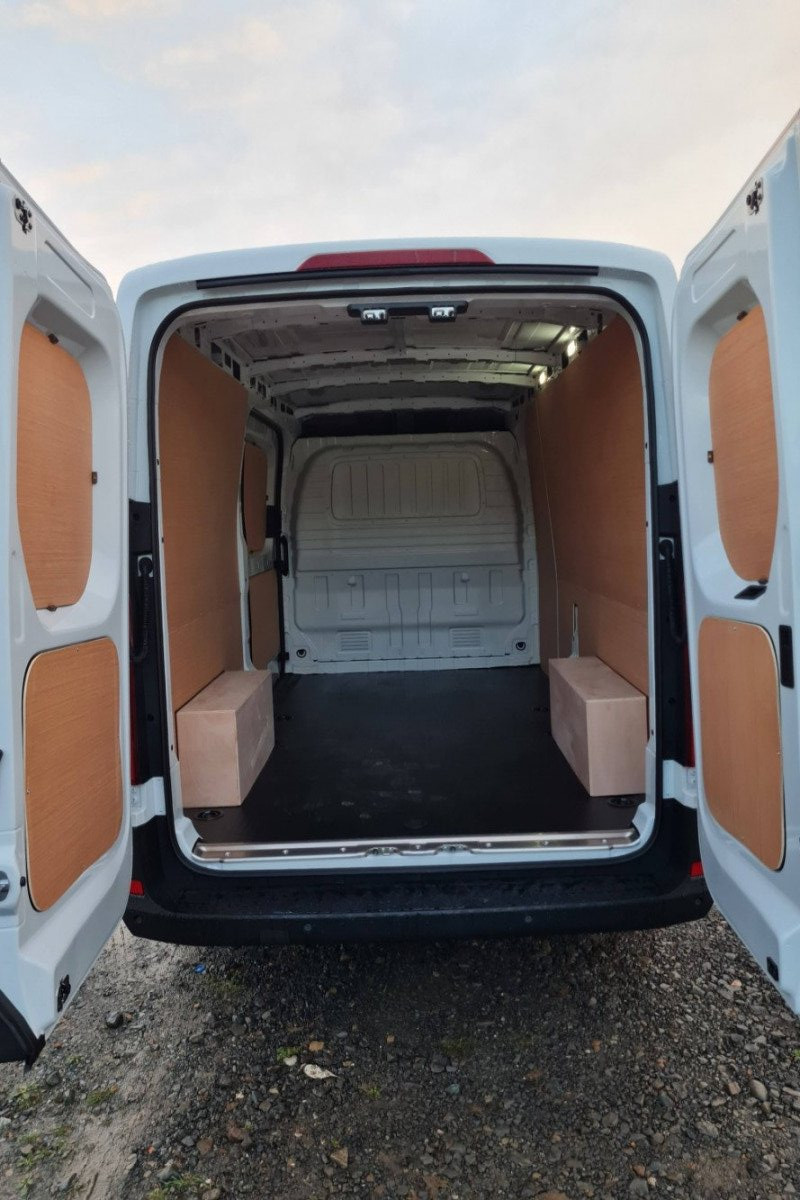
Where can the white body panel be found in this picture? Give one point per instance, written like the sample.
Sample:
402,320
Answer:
413,551
44,280
749,257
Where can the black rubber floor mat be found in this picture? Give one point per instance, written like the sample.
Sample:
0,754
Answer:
417,753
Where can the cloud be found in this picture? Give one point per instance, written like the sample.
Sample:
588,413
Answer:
365,119
254,41
74,19
42,13
80,175
315,119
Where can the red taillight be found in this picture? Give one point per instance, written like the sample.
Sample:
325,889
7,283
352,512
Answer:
696,870
137,887
355,260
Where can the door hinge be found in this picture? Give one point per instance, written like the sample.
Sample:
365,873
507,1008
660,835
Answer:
680,783
755,198
62,995
147,800
23,214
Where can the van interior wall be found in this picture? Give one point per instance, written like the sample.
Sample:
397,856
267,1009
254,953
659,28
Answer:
262,599
409,550
201,426
585,443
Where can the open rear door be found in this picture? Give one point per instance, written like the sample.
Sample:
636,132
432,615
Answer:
64,824
737,370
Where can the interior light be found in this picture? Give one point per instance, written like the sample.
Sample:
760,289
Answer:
543,379
571,348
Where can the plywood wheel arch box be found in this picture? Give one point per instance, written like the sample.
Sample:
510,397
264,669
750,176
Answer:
225,736
599,722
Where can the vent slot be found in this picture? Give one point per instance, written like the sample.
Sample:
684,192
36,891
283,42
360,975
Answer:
354,640
463,639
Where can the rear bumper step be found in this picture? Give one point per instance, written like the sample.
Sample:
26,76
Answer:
424,911
197,907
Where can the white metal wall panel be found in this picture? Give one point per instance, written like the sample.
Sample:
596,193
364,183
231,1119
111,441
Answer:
410,549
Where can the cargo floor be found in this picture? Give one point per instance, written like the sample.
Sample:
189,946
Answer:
406,754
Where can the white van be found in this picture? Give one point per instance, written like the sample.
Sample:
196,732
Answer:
408,481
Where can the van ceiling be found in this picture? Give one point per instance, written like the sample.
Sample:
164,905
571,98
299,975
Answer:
316,354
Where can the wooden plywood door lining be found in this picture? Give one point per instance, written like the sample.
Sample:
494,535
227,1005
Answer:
585,444
740,735
73,771
265,630
201,422
254,497
54,471
745,456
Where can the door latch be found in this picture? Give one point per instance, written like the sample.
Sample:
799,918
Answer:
62,995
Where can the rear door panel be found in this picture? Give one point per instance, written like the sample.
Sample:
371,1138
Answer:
737,366
64,823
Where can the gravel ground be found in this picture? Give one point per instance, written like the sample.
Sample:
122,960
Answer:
602,1066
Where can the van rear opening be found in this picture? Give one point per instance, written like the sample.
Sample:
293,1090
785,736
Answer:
405,513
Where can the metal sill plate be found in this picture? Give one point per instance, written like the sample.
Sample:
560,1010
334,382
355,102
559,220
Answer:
415,847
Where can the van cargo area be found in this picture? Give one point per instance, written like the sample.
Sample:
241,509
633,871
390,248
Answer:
373,757
404,512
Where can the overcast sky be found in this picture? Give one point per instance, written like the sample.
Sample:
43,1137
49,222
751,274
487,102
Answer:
149,129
